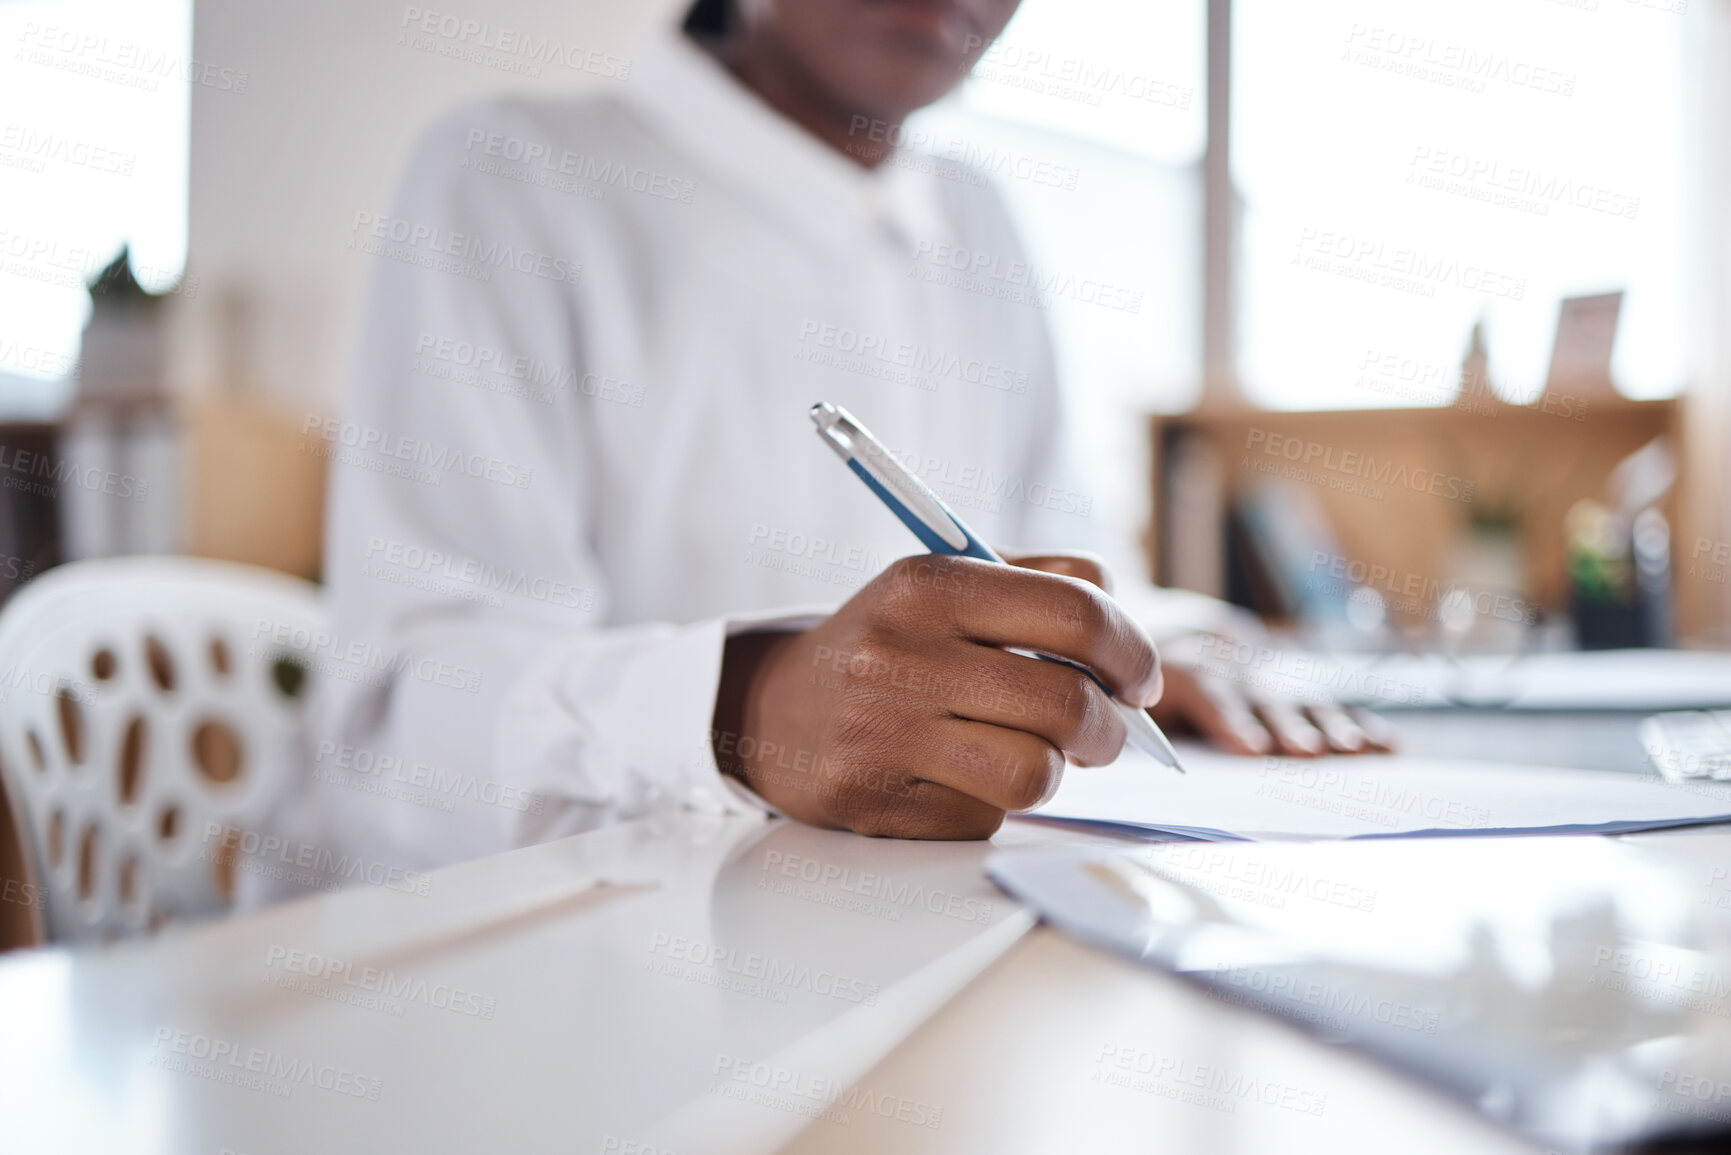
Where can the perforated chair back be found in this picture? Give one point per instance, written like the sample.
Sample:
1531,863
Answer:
149,713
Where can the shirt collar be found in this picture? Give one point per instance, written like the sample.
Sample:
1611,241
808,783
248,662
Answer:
707,113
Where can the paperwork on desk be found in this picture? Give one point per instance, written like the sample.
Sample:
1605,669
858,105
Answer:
1646,680
1227,798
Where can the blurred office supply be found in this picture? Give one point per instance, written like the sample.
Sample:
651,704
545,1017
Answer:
1419,501
1279,533
1196,481
1688,744
30,514
1620,555
1586,338
130,468
120,475
1611,610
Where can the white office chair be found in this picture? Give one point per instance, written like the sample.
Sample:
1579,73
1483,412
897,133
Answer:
150,709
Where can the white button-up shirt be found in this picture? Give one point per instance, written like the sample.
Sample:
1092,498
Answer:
576,454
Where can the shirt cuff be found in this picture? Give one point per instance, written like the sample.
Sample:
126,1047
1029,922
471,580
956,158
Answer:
617,723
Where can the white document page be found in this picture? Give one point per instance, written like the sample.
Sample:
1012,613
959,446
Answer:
1602,680
1226,797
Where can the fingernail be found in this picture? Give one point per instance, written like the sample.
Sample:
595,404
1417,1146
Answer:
1256,739
1151,697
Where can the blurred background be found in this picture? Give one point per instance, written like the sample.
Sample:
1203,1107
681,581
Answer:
1422,338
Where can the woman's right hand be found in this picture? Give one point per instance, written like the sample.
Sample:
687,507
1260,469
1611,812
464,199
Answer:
904,715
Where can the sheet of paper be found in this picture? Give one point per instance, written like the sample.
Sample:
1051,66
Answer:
1605,680
1225,797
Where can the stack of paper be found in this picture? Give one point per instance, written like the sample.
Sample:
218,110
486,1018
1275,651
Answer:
1225,797
1601,680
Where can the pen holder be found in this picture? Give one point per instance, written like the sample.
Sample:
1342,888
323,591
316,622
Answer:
1611,625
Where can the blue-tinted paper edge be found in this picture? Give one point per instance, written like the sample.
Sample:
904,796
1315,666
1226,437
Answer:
1209,834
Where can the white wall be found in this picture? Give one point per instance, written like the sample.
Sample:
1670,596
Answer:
331,104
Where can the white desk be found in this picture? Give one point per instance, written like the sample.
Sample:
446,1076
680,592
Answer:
588,960
590,1015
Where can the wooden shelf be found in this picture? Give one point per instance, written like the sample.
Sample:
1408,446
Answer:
1400,487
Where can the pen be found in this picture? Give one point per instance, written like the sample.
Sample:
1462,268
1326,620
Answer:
941,531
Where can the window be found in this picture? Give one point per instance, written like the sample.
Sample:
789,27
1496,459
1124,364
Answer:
93,155
1408,170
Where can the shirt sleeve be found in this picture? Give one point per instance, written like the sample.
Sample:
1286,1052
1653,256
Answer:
476,698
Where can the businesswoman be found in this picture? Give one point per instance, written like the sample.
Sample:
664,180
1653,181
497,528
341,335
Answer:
580,507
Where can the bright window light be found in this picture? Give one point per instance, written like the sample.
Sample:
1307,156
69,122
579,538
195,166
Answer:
1408,170
94,102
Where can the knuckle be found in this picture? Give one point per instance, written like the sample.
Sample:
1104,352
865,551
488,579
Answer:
1101,632
1081,609
1032,778
1112,736
895,586
911,585
874,651
1076,709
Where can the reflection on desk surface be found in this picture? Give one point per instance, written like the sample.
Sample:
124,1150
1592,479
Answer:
1575,989
611,984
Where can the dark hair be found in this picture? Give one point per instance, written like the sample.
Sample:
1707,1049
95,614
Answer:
709,19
